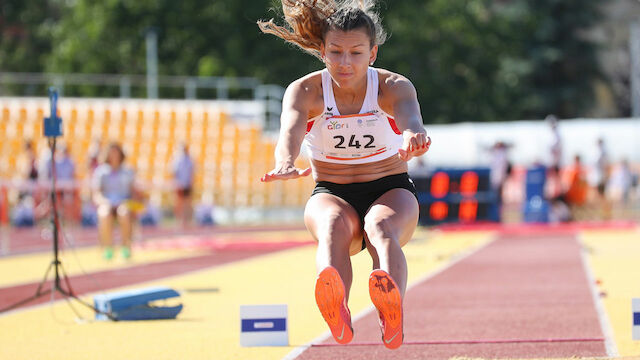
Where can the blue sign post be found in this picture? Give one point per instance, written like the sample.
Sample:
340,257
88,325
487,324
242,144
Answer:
536,207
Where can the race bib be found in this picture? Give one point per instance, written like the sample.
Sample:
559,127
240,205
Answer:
353,137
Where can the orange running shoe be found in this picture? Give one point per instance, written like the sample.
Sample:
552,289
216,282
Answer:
330,297
386,297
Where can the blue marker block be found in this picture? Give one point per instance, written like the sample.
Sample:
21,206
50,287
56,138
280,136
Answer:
135,304
53,124
52,127
263,325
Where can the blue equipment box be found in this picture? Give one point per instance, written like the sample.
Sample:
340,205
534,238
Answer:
135,304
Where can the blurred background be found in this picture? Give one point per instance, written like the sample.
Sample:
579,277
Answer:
533,108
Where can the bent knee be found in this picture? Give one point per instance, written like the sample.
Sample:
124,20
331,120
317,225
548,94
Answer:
380,230
333,227
104,211
336,223
123,210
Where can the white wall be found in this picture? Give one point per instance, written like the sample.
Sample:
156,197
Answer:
464,144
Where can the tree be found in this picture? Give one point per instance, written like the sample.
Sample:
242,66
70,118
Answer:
454,52
470,60
483,60
197,38
25,35
563,58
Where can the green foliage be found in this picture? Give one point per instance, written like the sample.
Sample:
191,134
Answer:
483,60
563,60
25,36
25,39
470,60
198,38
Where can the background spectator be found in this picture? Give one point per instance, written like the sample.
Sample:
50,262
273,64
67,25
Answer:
556,143
577,186
620,183
113,191
601,172
183,181
27,173
95,151
67,194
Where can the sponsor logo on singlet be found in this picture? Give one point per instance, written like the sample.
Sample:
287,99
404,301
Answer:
334,125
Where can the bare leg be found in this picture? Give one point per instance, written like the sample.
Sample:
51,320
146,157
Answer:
389,225
334,224
105,226
179,208
374,255
187,212
126,225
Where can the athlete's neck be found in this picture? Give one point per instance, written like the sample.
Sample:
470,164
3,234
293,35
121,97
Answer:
350,95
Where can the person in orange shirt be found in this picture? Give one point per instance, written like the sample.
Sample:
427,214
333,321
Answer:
577,189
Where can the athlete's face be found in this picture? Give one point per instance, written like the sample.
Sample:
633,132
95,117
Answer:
347,55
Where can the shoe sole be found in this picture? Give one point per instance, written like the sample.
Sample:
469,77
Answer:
386,297
330,296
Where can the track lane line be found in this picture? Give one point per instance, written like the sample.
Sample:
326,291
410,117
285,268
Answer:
605,324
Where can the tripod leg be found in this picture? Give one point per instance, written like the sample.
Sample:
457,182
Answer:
44,279
39,291
68,293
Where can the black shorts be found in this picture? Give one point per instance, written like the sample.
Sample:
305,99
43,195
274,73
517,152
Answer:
362,195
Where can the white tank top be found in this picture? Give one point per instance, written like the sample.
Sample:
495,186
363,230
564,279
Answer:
369,136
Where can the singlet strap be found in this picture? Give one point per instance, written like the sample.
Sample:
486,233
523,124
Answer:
327,92
371,98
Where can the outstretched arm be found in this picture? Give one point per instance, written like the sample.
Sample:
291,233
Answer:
406,111
293,124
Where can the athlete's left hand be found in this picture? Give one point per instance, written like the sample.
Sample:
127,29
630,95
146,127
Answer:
414,144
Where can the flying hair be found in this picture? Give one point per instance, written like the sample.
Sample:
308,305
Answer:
309,20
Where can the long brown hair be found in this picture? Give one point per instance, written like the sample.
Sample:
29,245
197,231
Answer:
309,21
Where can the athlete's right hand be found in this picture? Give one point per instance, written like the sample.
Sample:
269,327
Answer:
285,172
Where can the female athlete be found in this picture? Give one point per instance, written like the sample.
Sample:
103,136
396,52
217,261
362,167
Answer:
360,126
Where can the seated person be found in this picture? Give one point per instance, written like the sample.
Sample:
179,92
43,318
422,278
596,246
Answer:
183,181
113,194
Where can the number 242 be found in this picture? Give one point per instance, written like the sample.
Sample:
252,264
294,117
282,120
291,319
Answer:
353,142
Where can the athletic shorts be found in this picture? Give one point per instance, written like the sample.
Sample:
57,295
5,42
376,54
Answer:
362,195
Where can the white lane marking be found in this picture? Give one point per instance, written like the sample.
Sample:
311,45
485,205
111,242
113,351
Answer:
605,325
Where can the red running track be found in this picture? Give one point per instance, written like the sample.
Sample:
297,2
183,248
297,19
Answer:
30,240
521,296
109,279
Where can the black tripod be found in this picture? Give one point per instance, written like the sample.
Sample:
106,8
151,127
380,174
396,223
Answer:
52,132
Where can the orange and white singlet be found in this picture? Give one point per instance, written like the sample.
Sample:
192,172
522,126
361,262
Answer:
369,136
